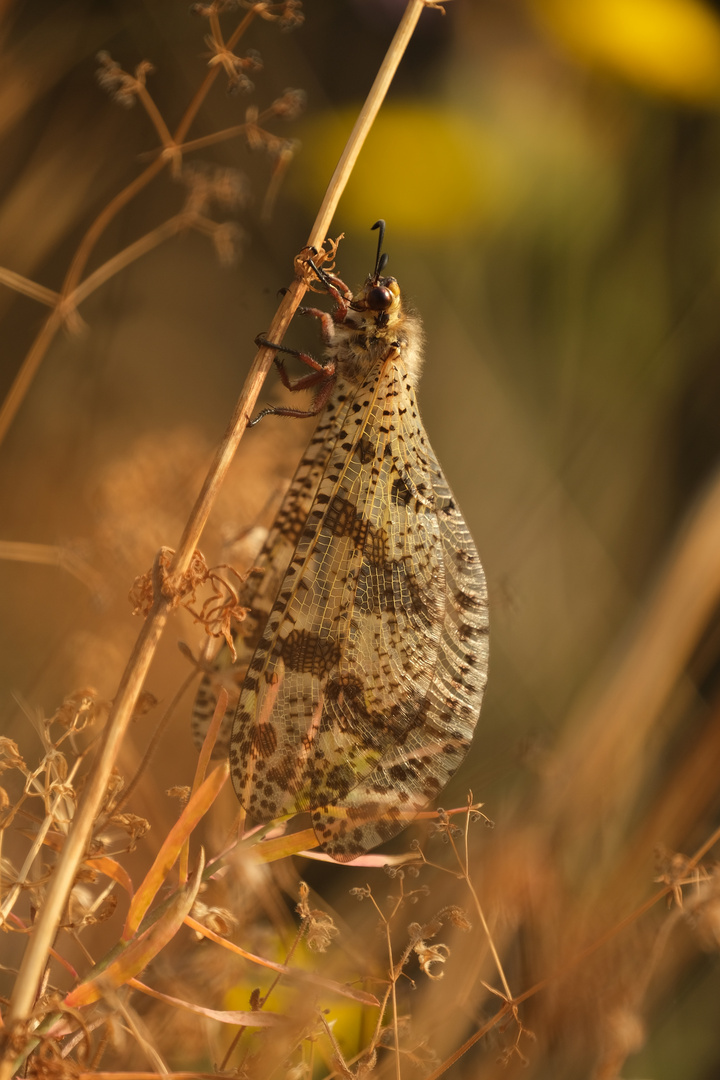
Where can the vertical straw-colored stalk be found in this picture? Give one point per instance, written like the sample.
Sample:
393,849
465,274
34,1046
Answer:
35,958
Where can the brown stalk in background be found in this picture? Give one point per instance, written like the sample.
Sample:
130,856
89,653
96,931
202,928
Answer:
132,680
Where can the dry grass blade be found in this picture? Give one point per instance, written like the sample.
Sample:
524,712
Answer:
228,1016
142,949
171,847
282,969
614,733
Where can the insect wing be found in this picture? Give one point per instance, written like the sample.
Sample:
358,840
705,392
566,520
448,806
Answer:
411,774
261,588
356,669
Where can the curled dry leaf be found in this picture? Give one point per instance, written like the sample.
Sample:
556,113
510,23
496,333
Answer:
218,611
431,954
10,757
318,927
320,258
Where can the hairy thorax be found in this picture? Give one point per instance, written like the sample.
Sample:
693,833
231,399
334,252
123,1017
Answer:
363,339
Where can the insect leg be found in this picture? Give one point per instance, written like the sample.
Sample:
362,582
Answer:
323,370
327,322
284,410
322,376
334,285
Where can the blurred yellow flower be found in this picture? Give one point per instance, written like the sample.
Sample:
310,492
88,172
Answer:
670,47
430,171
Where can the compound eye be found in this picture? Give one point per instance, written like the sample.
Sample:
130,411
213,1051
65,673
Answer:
379,298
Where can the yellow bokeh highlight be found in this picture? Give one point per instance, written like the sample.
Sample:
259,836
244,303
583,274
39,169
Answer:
670,47
428,170
352,1023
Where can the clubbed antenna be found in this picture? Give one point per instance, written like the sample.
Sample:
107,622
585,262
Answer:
381,260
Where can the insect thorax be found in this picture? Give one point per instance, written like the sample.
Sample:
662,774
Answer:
362,339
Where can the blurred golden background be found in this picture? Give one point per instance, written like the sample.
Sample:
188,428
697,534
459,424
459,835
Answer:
550,176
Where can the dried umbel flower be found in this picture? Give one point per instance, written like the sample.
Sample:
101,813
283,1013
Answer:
290,105
219,920
134,826
227,187
215,7
236,67
318,927
122,87
431,954
181,792
81,708
47,1063
290,15
228,239
10,755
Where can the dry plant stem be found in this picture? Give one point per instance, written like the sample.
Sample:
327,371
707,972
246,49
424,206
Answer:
577,959
292,298
51,555
618,927
225,135
609,738
132,680
481,914
474,1038
48,822
27,287
192,109
264,1000
365,120
393,990
28,369
128,255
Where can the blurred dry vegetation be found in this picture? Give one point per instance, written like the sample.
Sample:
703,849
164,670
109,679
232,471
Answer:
552,191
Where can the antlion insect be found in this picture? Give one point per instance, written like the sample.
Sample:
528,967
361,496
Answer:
371,631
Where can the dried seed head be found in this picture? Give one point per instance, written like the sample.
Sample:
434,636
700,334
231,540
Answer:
318,927
122,87
431,954
10,755
219,920
226,187
290,105
235,67
179,791
228,239
145,703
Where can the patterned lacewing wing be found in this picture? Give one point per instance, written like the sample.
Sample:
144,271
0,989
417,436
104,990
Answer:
370,620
